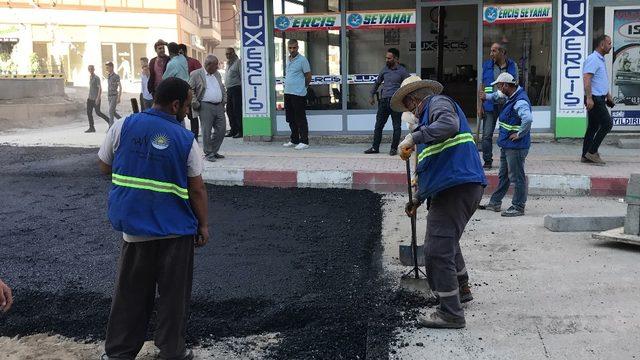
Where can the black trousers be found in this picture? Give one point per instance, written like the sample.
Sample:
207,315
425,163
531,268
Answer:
598,126
234,109
194,123
294,107
91,106
384,110
165,265
448,215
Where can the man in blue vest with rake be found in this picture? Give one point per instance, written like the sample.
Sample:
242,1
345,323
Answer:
451,179
514,140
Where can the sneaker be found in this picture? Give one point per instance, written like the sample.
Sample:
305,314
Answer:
599,158
90,130
436,320
371,151
289,144
512,211
301,146
465,293
393,152
585,160
490,206
594,158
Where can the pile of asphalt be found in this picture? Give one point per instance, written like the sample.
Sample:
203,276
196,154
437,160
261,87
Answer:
304,263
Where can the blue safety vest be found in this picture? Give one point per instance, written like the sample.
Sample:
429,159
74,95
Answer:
448,163
488,77
509,123
149,196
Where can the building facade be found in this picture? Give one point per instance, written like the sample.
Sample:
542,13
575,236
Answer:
65,36
345,42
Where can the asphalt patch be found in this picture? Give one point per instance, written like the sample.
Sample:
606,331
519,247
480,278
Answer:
304,263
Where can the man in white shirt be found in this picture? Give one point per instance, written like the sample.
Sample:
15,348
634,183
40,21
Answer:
208,103
146,99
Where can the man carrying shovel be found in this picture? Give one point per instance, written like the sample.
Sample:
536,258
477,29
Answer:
450,176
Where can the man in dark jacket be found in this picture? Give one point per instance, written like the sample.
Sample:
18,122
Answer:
157,66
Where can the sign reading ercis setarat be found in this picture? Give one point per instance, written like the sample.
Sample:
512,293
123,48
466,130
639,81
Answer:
355,20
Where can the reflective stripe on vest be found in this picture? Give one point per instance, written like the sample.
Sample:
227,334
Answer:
488,89
509,127
148,184
438,148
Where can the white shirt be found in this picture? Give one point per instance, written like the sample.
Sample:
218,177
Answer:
145,89
213,92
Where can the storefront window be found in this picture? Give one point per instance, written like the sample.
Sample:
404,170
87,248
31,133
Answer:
312,24
527,40
370,37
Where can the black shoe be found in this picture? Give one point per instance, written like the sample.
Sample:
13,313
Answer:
371,151
218,156
210,157
237,136
490,206
486,166
229,134
90,130
465,293
512,212
393,152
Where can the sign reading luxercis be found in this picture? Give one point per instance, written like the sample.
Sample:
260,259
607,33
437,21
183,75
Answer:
572,51
355,20
516,13
255,59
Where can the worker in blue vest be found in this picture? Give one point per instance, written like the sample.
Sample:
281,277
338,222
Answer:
514,140
451,178
158,201
489,109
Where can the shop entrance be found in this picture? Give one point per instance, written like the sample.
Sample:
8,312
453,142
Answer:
448,51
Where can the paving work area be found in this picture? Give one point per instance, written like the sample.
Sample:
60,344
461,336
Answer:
302,264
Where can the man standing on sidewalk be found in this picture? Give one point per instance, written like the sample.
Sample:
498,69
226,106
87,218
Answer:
93,100
490,109
146,99
157,66
208,103
597,98
451,179
177,66
114,92
391,76
192,65
159,203
233,82
296,81
514,139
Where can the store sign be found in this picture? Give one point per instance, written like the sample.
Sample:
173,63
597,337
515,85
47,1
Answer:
383,19
572,51
516,13
255,59
625,86
447,45
337,79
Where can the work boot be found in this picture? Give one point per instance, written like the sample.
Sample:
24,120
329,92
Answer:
490,206
436,320
465,293
513,211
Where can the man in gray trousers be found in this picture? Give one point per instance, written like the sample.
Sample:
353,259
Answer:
114,92
208,104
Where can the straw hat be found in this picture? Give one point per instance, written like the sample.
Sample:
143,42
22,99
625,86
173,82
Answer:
409,85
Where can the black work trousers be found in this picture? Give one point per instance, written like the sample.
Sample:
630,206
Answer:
294,107
234,109
384,110
91,106
598,126
448,215
165,265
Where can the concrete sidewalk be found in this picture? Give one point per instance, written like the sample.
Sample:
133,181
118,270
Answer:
553,168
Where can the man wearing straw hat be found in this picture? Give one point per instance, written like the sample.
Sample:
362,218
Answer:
451,178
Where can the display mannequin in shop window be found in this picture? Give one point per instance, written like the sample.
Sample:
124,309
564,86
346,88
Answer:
489,109
390,77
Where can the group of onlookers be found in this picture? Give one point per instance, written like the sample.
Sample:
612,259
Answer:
211,93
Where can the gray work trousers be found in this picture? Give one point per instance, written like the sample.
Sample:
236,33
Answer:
448,215
212,118
113,102
165,265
